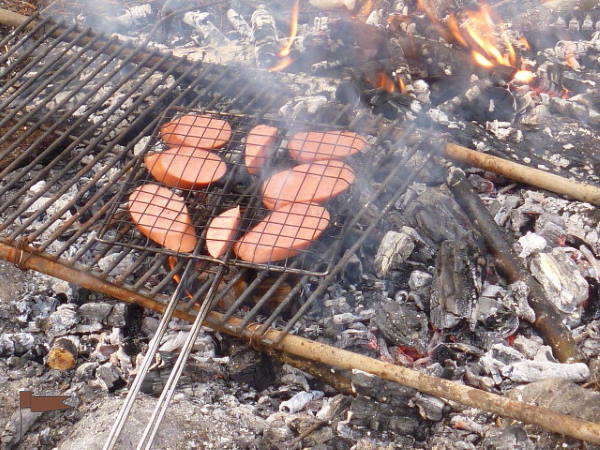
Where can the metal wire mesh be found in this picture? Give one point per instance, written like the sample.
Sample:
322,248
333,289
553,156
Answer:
73,170
208,182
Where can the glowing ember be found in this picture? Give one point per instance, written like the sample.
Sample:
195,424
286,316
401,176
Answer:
285,51
383,81
523,76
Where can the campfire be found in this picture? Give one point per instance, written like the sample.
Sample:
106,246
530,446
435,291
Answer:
396,201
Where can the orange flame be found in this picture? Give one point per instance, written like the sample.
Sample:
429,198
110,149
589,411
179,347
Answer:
383,81
523,76
484,35
571,61
285,51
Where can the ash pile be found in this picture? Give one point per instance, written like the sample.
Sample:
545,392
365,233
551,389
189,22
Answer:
424,291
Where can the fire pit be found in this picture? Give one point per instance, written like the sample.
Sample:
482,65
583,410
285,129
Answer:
411,277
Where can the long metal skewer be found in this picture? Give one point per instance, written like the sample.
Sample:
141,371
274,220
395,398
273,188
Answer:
169,389
117,427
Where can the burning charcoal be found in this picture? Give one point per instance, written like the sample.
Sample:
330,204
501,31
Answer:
402,324
117,316
135,16
509,438
367,413
481,184
517,301
332,407
265,37
498,357
202,23
531,243
60,322
528,371
239,23
420,89
430,408
17,426
437,216
456,283
94,312
419,280
528,347
381,390
561,279
7,345
560,395
501,210
299,401
353,271
108,377
395,248
86,370
461,422
552,228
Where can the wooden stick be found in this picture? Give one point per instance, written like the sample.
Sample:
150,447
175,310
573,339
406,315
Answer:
325,354
11,19
526,175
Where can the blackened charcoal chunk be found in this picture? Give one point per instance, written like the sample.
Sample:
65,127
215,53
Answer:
437,216
510,438
402,324
456,282
381,390
382,417
94,312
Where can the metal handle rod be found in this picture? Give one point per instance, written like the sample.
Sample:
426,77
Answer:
167,394
117,427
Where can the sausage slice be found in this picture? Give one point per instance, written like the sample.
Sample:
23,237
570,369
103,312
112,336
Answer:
259,143
221,231
283,233
162,216
185,167
196,130
307,183
316,145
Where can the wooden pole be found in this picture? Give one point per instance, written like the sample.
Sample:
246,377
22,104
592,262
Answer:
527,175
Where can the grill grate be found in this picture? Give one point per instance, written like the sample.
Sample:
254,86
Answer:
81,111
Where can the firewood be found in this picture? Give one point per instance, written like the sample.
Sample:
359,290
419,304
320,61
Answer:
548,319
62,355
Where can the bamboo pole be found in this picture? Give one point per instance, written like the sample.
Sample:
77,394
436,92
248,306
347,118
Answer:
527,175
321,353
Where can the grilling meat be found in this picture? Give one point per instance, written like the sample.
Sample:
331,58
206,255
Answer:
161,215
259,143
196,130
283,233
315,145
185,167
315,182
221,231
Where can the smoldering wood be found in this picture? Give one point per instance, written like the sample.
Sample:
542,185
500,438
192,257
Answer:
548,319
456,282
